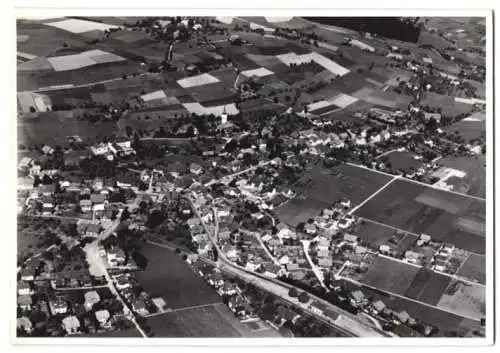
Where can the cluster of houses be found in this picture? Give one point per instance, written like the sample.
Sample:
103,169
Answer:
72,314
141,303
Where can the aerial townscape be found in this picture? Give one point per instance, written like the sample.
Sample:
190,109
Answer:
251,177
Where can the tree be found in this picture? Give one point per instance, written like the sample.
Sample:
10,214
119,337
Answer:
125,214
304,297
32,109
293,292
177,250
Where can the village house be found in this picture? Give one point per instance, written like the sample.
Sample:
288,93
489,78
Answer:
71,324
86,206
93,230
424,239
122,282
23,288
273,271
140,307
58,307
413,257
310,228
102,317
91,298
325,262
350,238
216,279
24,302
195,168
378,307
25,324
28,274
229,288
116,256
357,299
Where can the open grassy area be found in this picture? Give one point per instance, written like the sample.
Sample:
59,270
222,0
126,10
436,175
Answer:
206,321
391,276
416,208
474,268
465,299
169,277
428,286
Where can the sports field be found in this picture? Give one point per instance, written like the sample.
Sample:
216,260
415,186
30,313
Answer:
169,277
417,208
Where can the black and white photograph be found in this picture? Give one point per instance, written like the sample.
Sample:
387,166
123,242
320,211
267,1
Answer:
236,176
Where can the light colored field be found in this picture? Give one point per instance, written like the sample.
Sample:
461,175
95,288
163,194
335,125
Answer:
153,95
464,299
80,26
470,100
328,64
478,116
102,57
471,225
264,60
260,72
198,80
26,55
197,108
361,45
328,46
39,102
437,202
78,61
318,105
21,38
343,100
70,62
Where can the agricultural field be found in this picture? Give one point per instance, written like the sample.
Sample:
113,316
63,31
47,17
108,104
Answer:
166,268
389,275
206,321
474,268
465,299
427,286
416,208
449,107
469,128
375,234
55,128
323,186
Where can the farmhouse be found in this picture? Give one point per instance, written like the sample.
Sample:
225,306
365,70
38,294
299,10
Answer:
357,298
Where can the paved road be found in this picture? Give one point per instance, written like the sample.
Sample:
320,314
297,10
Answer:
230,176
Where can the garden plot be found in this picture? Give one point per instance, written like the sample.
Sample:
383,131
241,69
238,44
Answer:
292,58
80,26
198,80
464,299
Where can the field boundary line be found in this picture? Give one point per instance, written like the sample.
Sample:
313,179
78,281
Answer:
410,299
168,311
418,182
354,209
